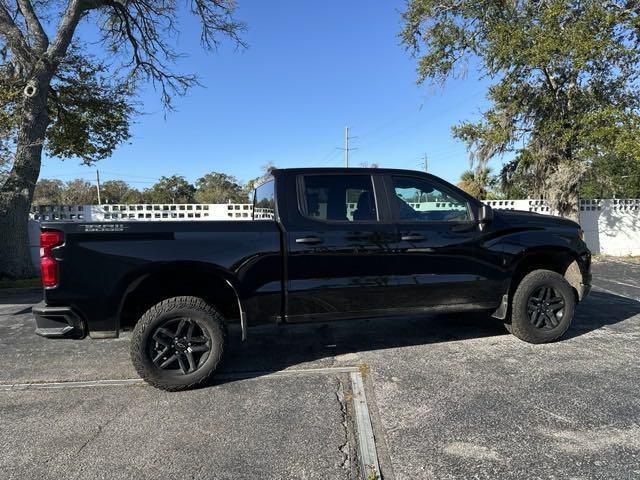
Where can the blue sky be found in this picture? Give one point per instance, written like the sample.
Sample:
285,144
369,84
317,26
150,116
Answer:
311,69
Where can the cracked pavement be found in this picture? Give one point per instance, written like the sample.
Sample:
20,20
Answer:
280,427
450,397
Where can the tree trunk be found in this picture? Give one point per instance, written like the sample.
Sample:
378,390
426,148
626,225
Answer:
573,207
17,192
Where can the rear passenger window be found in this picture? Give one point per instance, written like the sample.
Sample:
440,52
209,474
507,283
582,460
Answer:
339,198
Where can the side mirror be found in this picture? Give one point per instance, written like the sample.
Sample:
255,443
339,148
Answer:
485,216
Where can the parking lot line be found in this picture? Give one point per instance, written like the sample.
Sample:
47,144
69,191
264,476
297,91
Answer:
59,385
139,381
288,372
618,294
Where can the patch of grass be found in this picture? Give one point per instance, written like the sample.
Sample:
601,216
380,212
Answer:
21,283
372,474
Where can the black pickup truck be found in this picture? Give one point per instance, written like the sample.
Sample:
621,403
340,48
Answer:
323,244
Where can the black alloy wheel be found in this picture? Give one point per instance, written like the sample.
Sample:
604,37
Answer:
542,307
178,343
545,308
180,346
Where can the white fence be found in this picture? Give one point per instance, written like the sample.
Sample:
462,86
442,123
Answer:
143,212
611,226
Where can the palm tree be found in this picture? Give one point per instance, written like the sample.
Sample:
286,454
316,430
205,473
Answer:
476,182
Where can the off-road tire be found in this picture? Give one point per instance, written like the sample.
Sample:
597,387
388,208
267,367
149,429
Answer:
521,323
196,310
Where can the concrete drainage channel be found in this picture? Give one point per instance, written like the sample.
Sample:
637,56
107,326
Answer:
366,447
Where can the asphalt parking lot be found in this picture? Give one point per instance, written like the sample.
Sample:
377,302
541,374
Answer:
448,397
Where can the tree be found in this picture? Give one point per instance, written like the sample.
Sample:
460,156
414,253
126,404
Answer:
266,170
219,188
79,192
137,196
564,91
116,191
612,177
87,115
54,95
48,192
174,189
477,182
369,165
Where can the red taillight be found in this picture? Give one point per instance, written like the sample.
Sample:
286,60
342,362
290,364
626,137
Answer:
48,264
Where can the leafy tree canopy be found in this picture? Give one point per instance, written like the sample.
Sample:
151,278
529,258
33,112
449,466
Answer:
79,192
55,96
612,177
90,110
219,188
174,189
213,187
117,191
48,192
564,91
478,183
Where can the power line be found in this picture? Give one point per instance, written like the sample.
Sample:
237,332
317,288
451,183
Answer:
383,139
329,157
129,175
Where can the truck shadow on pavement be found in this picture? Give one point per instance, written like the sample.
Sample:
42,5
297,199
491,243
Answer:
273,348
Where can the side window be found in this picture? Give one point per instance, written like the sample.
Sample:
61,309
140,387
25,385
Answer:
420,200
341,198
264,204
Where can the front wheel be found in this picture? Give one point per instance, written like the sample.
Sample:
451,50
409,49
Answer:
542,308
178,343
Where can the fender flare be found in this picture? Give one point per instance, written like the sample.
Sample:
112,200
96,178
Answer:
133,281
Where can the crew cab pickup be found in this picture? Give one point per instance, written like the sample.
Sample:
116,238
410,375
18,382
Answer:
323,244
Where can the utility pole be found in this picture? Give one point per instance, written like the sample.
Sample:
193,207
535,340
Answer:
346,147
98,185
426,163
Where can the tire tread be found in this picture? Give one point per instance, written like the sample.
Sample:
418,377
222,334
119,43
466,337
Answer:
137,348
519,325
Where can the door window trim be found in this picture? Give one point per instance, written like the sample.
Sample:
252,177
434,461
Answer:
302,199
443,187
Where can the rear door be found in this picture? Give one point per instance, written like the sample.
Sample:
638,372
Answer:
340,246
436,255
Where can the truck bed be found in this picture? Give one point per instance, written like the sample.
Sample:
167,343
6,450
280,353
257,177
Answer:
100,262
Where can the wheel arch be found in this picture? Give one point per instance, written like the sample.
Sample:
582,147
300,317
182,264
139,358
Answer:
560,260
151,285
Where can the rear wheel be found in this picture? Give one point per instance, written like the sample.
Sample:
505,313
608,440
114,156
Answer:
542,307
178,343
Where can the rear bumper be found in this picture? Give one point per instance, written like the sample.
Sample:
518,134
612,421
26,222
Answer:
57,322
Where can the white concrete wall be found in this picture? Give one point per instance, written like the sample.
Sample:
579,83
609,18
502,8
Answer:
143,212
611,226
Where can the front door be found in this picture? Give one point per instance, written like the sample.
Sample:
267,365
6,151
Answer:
437,263
340,256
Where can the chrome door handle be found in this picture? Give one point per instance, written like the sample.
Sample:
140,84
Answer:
412,238
309,240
